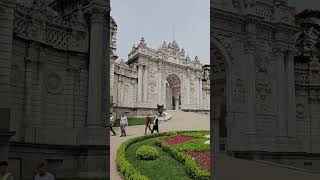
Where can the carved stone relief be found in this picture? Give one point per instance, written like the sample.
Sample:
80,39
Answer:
264,76
54,83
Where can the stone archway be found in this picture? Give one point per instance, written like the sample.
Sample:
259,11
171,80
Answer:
173,92
219,96
221,92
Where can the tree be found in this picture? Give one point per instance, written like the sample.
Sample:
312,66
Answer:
308,40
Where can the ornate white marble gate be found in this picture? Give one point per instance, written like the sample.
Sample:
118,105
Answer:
162,76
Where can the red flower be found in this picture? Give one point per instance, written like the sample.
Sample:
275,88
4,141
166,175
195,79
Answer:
178,139
202,158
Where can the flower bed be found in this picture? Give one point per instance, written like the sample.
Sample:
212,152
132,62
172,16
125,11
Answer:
202,158
178,139
192,168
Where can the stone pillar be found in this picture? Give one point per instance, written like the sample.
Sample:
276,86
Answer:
188,88
291,96
200,93
96,68
140,79
94,134
159,87
282,126
145,84
176,103
6,38
5,133
250,51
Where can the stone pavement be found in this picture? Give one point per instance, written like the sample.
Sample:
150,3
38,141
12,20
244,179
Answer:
241,169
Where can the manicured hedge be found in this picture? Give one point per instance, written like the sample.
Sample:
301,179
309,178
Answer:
128,171
146,152
192,168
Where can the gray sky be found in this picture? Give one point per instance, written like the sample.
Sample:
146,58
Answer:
154,20
302,4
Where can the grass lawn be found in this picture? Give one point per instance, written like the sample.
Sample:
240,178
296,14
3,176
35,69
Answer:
163,168
133,121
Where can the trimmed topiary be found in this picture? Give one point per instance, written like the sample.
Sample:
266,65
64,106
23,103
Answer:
147,153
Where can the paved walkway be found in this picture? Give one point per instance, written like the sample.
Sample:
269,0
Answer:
226,168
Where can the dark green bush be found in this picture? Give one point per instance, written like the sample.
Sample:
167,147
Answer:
147,153
128,171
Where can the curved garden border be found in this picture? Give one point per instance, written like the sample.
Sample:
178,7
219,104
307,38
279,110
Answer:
129,172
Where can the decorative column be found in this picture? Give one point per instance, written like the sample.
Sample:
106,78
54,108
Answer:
6,36
140,79
119,90
282,125
96,67
159,88
250,50
159,83
188,87
291,95
94,134
145,84
176,103
200,92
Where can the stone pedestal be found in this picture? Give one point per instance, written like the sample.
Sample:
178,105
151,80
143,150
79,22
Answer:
176,103
5,133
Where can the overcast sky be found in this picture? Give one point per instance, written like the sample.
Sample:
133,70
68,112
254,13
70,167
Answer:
302,4
154,20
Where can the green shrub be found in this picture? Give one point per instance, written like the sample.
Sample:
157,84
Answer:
128,171
147,153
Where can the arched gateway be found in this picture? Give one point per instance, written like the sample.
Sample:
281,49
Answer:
173,92
165,76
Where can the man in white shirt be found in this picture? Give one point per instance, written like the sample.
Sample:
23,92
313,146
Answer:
111,124
123,124
42,173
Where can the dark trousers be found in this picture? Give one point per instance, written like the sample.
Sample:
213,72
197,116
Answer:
123,130
111,129
155,128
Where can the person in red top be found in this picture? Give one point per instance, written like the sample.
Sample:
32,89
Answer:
148,122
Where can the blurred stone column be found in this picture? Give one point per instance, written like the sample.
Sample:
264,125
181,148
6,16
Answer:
145,84
140,88
281,82
98,45
291,113
6,38
250,51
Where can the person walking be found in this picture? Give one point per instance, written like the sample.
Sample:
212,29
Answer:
155,124
42,173
111,124
148,123
123,124
4,171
